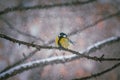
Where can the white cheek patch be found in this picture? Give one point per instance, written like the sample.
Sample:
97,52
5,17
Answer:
58,35
64,36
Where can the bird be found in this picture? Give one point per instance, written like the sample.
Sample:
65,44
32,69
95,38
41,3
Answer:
63,41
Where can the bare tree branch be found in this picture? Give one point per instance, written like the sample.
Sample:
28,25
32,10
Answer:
51,41
87,51
24,34
101,44
91,25
94,47
33,64
61,59
18,8
95,23
40,63
72,33
72,57
19,62
99,73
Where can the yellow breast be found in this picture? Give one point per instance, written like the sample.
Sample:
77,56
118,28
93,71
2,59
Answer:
64,42
56,41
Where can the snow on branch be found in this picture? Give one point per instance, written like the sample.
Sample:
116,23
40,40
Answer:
70,3
92,48
49,61
61,59
101,44
19,61
30,65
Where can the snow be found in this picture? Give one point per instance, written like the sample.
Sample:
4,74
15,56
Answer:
58,59
43,61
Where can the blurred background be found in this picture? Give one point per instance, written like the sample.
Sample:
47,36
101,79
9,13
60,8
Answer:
42,26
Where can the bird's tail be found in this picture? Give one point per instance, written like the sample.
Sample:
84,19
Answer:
71,42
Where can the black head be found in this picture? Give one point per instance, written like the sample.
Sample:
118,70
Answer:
62,35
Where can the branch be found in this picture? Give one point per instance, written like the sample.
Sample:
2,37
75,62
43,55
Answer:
95,23
91,25
38,63
51,41
72,33
99,73
101,44
18,8
19,62
92,48
33,64
61,59
89,50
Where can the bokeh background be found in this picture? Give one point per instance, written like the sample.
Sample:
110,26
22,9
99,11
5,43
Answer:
43,25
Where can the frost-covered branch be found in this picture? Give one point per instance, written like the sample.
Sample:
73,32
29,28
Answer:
92,48
99,73
51,41
62,59
40,63
70,3
101,44
19,62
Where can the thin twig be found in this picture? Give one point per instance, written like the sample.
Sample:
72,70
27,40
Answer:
95,23
99,73
89,26
54,60
38,63
92,48
87,51
18,8
72,33
19,62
